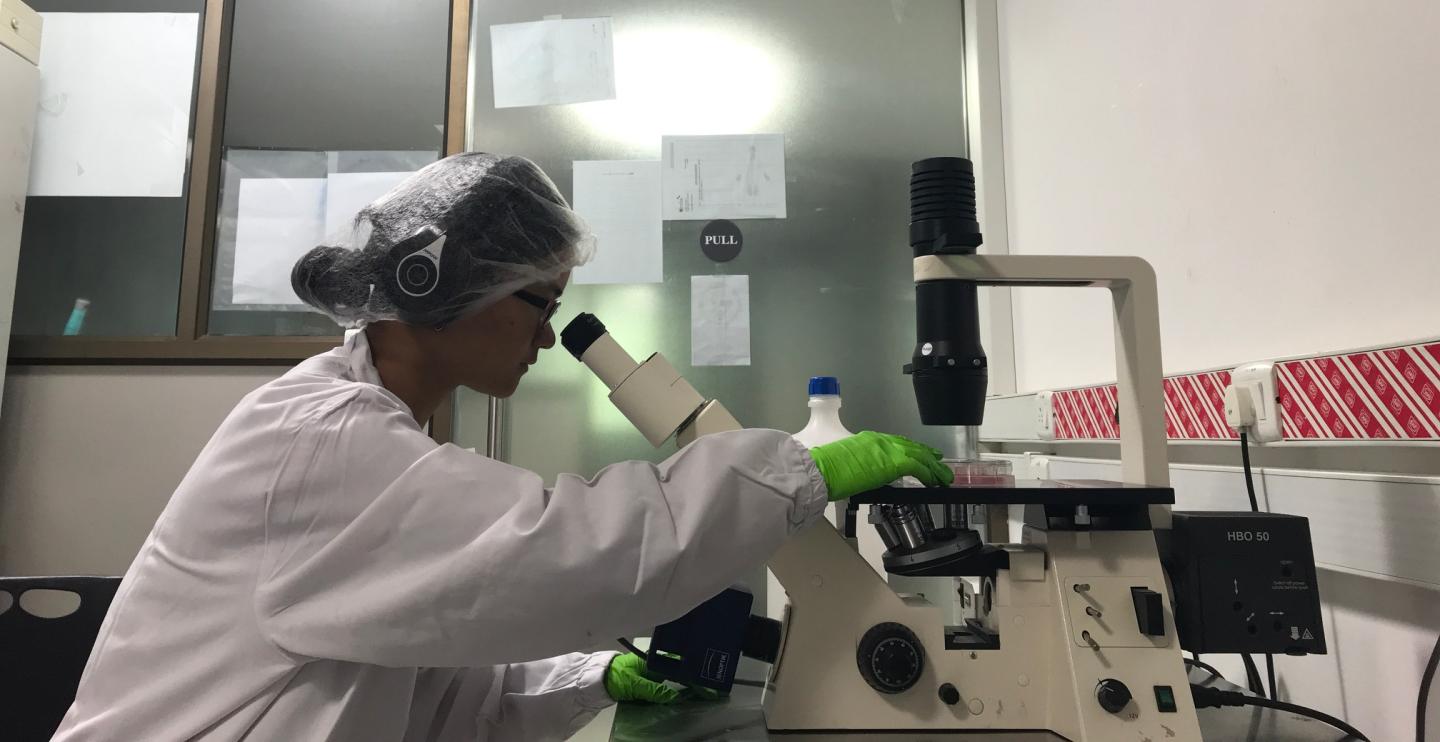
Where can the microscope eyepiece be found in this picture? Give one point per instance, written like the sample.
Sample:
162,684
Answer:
581,333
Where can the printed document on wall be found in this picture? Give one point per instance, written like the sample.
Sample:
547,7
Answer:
620,200
347,193
279,220
724,177
545,63
114,116
720,320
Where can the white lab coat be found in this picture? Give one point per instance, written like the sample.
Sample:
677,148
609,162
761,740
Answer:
326,571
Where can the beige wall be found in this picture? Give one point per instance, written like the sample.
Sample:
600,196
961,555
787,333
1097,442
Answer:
90,455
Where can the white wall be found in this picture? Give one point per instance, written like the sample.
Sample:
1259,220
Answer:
1277,161
89,457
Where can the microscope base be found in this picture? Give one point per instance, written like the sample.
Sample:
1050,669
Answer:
1053,661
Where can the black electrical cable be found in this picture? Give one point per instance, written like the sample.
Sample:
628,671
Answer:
1208,697
1249,480
1425,681
1204,666
1255,508
1252,675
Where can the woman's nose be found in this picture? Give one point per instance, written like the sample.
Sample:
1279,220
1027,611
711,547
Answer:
547,337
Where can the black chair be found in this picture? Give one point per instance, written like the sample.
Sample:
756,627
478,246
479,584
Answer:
41,659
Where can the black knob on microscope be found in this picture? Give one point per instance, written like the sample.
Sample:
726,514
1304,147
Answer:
1112,695
949,695
890,658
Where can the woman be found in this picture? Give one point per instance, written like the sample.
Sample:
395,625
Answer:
326,571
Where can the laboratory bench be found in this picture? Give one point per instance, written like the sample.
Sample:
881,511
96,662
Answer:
739,718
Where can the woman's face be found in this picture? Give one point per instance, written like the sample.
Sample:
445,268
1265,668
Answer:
489,351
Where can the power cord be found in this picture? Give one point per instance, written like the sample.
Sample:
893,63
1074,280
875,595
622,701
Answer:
1206,697
1195,661
1255,508
1425,681
1245,462
1252,675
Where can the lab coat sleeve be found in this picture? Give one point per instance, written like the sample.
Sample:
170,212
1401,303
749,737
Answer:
464,561
549,699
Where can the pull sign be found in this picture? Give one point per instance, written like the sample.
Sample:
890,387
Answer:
721,240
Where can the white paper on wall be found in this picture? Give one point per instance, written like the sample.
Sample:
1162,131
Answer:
720,320
115,94
552,62
738,176
620,200
279,220
347,193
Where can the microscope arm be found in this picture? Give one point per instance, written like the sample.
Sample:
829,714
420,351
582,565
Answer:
1139,373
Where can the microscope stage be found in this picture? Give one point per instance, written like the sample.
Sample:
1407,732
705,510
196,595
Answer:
1023,492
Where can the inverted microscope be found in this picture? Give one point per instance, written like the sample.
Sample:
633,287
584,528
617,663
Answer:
1075,630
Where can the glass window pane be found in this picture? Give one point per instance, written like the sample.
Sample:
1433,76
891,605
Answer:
105,218
471,419
327,106
275,205
860,90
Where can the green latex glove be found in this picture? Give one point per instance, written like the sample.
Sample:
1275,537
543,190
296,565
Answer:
869,460
625,681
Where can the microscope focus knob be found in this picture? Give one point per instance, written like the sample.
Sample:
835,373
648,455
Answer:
890,658
1112,695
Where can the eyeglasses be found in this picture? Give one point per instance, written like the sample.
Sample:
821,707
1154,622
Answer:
548,306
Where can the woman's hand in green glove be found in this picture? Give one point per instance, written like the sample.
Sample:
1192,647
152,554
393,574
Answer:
625,681
869,460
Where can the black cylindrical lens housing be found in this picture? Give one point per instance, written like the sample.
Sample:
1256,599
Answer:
942,207
948,368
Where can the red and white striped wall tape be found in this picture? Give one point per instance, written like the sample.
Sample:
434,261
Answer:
1385,394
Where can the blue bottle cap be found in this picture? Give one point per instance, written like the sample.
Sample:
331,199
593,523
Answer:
824,385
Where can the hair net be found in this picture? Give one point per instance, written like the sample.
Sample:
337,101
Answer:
504,225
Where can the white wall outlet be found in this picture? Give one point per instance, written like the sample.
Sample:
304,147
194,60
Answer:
1045,416
1258,381
1239,409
